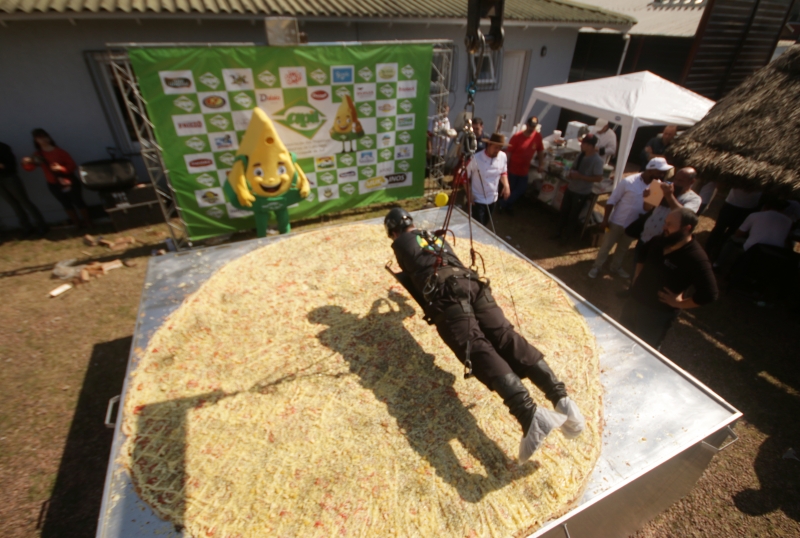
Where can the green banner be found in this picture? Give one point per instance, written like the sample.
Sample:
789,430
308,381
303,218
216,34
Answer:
200,101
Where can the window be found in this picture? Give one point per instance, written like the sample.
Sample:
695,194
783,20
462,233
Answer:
491,67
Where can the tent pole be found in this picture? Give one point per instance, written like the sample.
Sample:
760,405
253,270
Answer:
627,39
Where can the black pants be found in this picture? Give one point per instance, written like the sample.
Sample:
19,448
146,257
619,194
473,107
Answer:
13,191
648,323
571,207
729,219
496,349
481,212
71,200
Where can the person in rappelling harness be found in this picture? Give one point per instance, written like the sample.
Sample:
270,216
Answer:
472,324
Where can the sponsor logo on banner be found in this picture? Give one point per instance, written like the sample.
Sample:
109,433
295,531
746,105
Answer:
365,73
329,193
347,159
407,89
236,213
404,137
301,118
387,107
323,163
396,178
386,140
387,124
199,162
385,168
319,95
364,92
348,188
387,90
342,91
241,119
406,106
196,144
215,213
209,197
365,109
214,101
347,174
267,78
220,122
374,182
227,158
405,151
243,100
206,179
366,157
189,124
386,154
311,197
184,102
327,178
342,74
405,122
173,82
366,142
223,141
368,171
270,99
403,165
386,72
312,179
293,77
209,80
238,79
319,75
407,71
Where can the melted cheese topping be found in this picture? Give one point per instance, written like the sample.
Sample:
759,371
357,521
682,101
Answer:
298,392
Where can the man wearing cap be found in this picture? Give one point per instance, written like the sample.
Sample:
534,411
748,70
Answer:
586,171
487,171
520,150
606,139
623,207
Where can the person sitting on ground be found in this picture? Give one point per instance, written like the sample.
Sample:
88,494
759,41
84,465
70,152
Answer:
586,171
487,171
521,149
474,327
671,264
770,226
623,207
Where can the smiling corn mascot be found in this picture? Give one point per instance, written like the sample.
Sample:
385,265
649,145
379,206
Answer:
346,127
265,177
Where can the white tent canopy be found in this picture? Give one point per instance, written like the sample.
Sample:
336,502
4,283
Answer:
631,101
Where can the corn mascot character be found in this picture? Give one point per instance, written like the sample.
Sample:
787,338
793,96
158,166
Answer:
265,177
346,126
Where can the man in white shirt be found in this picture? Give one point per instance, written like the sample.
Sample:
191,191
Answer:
488,170
606,139
622,208
738,205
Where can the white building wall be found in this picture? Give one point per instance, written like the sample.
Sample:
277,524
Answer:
46,82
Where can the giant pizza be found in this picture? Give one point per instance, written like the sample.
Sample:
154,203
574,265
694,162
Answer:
298,392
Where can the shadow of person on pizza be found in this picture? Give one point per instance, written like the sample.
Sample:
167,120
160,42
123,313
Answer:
418,394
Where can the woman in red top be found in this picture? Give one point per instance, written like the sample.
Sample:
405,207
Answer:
59,170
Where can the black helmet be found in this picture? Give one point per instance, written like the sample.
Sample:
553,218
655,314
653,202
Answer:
397,220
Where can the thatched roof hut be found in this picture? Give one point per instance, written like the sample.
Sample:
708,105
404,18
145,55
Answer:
751,137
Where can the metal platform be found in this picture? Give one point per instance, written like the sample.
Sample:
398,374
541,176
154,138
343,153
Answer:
662,426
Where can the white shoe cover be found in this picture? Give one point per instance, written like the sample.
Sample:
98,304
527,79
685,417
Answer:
575,422
544,421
